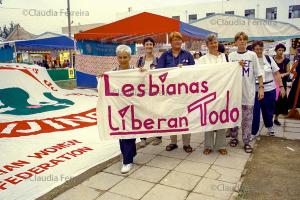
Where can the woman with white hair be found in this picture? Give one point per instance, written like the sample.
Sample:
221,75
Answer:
127,146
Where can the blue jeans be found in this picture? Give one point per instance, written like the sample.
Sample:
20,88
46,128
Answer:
128,150
267,107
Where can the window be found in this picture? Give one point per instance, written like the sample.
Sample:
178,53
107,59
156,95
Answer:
192,18
229,12
250,13
271,13
176,17
294,11
209,14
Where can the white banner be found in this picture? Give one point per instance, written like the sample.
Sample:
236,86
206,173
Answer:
169,101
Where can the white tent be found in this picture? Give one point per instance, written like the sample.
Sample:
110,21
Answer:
257,29
19,33
47,35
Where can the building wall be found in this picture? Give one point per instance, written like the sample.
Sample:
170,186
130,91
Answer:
79,28
238,6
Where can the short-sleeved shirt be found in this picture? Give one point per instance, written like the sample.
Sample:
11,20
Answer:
211,59
249,71
268,78
282,65
168,60
142,62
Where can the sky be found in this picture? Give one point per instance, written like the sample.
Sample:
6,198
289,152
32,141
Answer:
28,12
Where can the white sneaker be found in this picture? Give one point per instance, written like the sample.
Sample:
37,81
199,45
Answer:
126,168
253,137
271,131
143,143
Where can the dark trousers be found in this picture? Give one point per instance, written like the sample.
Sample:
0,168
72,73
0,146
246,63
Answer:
128,150
267,107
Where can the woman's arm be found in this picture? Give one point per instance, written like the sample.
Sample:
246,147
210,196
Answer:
279,82
260,88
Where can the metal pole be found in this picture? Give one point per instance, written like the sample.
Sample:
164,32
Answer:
69,29
15,51
167,38
186,16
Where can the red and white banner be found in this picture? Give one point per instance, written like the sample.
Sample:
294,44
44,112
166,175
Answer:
47,135
169,101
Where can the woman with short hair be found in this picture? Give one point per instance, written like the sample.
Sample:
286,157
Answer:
267,104
177,57
147,62
127,146
214,56
284,69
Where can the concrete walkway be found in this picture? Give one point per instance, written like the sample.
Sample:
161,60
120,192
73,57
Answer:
175,175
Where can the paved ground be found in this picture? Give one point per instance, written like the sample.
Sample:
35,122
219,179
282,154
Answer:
274,170
176,175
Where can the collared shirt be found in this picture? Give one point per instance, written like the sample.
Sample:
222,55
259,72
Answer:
168,60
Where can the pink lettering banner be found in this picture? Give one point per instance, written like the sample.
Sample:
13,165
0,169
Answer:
170,101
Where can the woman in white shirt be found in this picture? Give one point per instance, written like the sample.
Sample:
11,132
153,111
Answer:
213,56
267,104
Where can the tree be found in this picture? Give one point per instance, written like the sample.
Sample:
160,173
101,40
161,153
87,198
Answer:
12,26
6,30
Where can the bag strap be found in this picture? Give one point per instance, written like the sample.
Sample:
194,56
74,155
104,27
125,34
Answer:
268,59
140,62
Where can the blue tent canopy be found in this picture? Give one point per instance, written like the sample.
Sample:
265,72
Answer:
6,52
53,43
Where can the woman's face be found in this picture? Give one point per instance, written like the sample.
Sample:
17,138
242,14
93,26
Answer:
123,59
148,47
197,55
212,45
241,42
258,50
280,51
176,43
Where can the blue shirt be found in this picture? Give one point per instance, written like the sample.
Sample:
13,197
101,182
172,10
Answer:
167,59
